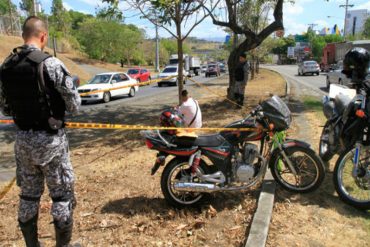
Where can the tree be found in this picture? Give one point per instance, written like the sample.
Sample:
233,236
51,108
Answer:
182,15
281,47
6,6
366,31
60,18
252,38
77,18
27,6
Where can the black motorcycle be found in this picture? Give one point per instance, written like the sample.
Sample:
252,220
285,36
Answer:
235,160
346,133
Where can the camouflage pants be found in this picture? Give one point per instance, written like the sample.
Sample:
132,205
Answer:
40,157
240,87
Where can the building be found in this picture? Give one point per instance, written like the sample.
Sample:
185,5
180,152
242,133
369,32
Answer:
355,21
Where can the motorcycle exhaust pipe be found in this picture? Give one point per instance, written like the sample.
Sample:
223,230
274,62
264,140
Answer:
195,187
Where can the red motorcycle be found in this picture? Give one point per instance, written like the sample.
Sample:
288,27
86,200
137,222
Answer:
237,159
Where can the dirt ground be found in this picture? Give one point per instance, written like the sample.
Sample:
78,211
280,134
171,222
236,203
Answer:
316,219
10,42
120,204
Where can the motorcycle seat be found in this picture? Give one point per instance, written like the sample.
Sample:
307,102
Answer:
209,141
202,141
341,102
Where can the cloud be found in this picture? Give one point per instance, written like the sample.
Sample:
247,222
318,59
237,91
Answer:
321,23
67,6
292,9
363,6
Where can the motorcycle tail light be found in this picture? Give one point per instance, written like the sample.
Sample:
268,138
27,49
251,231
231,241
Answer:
360,113
149,144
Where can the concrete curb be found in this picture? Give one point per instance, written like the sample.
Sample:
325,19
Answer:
261,221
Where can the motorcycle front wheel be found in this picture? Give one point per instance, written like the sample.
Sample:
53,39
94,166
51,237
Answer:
309,168
178,170
354,191
324,148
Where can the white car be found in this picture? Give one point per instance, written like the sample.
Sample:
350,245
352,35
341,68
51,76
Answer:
109,80
308,67
170,71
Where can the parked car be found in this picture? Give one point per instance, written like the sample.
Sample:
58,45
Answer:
222,68
139,74
203,68
308,67
335,76
171,70
107,81
213,69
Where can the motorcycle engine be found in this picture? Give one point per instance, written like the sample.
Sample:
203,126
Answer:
244,169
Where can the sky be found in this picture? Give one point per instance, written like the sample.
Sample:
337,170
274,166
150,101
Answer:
296,18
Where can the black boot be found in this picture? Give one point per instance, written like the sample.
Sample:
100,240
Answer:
63,234
29,231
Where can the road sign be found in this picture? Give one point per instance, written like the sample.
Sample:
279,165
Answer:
227,38
290,51
300,38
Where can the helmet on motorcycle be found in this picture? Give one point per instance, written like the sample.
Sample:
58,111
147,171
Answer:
171,118
356,64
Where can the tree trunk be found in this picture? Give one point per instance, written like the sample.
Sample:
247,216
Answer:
180,54
232,62
258,65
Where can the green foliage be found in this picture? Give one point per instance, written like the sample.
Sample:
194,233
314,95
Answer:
110,41
318,43
77,18
27,6
4,7
282,44
366,32
171,46
60,19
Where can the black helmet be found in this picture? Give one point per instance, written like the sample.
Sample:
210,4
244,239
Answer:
356,64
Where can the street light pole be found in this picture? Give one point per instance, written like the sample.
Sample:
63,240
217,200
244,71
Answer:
345,16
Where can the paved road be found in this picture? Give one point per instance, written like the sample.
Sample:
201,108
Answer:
313,82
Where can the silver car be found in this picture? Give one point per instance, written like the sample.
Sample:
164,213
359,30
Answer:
335,76
308,67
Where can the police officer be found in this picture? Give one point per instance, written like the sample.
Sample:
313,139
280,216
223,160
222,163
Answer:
36,90
241,79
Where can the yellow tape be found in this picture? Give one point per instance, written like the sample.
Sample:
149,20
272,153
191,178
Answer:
127,86
77,125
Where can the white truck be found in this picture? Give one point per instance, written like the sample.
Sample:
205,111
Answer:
191,63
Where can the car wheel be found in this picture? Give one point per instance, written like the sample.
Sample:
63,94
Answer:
299,73
150,78
327,83
318,73
106,97
340,82
159,84
132,92
83,102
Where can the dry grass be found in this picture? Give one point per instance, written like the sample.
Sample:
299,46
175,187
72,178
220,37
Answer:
10,42
120,204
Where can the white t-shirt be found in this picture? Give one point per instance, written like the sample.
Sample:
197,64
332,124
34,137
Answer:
187,110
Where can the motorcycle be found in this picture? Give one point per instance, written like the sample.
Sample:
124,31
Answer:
346,133
235,160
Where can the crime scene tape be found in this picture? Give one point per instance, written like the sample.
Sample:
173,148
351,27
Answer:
127,86
77,125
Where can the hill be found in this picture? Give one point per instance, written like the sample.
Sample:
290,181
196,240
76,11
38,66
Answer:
9,42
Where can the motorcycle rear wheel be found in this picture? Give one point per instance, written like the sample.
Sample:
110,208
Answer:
309,167
176,170
324,149
346,185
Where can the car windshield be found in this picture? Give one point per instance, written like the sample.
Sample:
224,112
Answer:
211,66
100,79
310,63
169,70
133,71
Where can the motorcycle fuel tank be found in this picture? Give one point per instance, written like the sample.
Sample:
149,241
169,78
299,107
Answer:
239,136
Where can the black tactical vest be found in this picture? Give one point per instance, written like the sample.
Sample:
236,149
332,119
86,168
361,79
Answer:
28,102
239,72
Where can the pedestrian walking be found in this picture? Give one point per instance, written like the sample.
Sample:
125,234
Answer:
241,79
36,89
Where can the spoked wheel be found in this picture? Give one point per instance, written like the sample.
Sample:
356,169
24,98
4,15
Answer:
178,170
353,187
324,149
310,170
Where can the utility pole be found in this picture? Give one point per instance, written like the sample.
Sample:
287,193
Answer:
312,25
156,47
345,16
